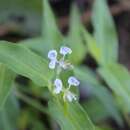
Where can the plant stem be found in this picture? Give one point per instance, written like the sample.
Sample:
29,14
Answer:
32,102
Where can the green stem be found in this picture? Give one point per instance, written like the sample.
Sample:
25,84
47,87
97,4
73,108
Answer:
32,102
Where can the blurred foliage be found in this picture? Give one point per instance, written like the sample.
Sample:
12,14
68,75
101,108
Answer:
31,105
9,114
21,16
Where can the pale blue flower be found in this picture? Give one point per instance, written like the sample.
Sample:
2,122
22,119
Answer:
65,50
73,81
52,54
58,86
69,96
52,64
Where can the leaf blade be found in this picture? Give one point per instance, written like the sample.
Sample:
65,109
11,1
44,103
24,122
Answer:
50,30
99,91
24,62
105,32
6,80
73,117
74,38
118,79
9,115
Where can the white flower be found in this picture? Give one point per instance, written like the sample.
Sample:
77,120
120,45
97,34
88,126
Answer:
52,54
58,86
65,50
52,64
69,96
73,81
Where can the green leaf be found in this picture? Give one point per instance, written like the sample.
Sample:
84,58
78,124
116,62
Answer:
21,5
9,115
105,128
38,125
99,91
75,41
105,32
70,116
92,46
26,63
96,110
32,102
6,80
50,29
118,79
39,45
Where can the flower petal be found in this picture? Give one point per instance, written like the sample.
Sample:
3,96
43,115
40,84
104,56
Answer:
65,50
52,54
57,90
73,81
52,64
58,86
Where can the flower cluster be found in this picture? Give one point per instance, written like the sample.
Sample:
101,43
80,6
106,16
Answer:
52,55
68,95
62,64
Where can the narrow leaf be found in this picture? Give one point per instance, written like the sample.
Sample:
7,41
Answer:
96,110
75,40
9,115
99,91
70,116
24,62
50,29
39,45
105,32
6,80
118,79
92,46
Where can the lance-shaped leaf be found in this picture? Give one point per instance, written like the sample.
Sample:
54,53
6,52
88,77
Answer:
24,62
99,91
70,116
39,45
96,110
9,114
6,80
105,32
50,29
92,46
118,78
75,40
